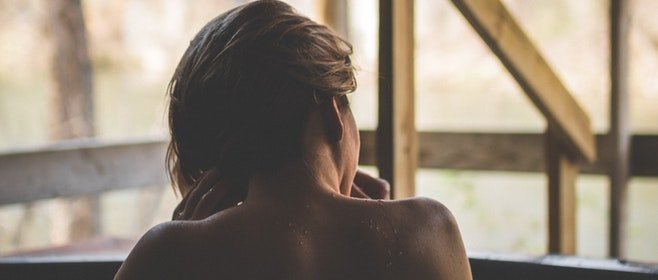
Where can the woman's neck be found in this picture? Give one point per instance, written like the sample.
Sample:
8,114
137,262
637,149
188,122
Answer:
296,181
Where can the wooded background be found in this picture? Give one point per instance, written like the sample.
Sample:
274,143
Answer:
99,68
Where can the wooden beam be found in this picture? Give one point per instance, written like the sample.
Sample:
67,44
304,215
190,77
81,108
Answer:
36,173
507,40
397,151
470,151
334,13
619,133
644,155
80,167
562,172
384,138
522,152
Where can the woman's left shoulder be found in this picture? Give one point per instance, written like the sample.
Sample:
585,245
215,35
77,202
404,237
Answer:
423,212
423,206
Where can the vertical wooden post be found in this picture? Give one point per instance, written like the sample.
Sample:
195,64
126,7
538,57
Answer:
619,134
334,13
405,136
73,114
384,132
562,173
397,148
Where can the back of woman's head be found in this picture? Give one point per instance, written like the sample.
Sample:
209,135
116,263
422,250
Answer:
242,92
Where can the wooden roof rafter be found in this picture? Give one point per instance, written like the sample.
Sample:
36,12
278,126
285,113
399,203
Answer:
509,42
569,140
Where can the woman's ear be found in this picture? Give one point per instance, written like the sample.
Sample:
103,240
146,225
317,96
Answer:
333,122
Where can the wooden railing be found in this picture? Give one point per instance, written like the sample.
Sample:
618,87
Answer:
74,168
80,167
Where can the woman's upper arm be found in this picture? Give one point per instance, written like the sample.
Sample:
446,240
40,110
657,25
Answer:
448,251
457,264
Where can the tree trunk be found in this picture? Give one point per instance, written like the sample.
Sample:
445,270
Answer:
72,98
73,115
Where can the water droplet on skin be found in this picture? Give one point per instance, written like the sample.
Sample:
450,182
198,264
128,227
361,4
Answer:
400,253
300,243
305,232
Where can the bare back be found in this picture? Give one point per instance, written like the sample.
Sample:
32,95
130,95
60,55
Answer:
333,238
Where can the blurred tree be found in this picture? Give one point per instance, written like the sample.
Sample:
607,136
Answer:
73,115
72,92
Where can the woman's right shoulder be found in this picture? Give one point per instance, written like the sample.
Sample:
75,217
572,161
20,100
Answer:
156,253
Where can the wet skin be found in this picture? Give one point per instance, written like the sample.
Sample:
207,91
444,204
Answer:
301,223
328,236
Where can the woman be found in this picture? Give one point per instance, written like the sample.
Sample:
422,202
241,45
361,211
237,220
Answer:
264,150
